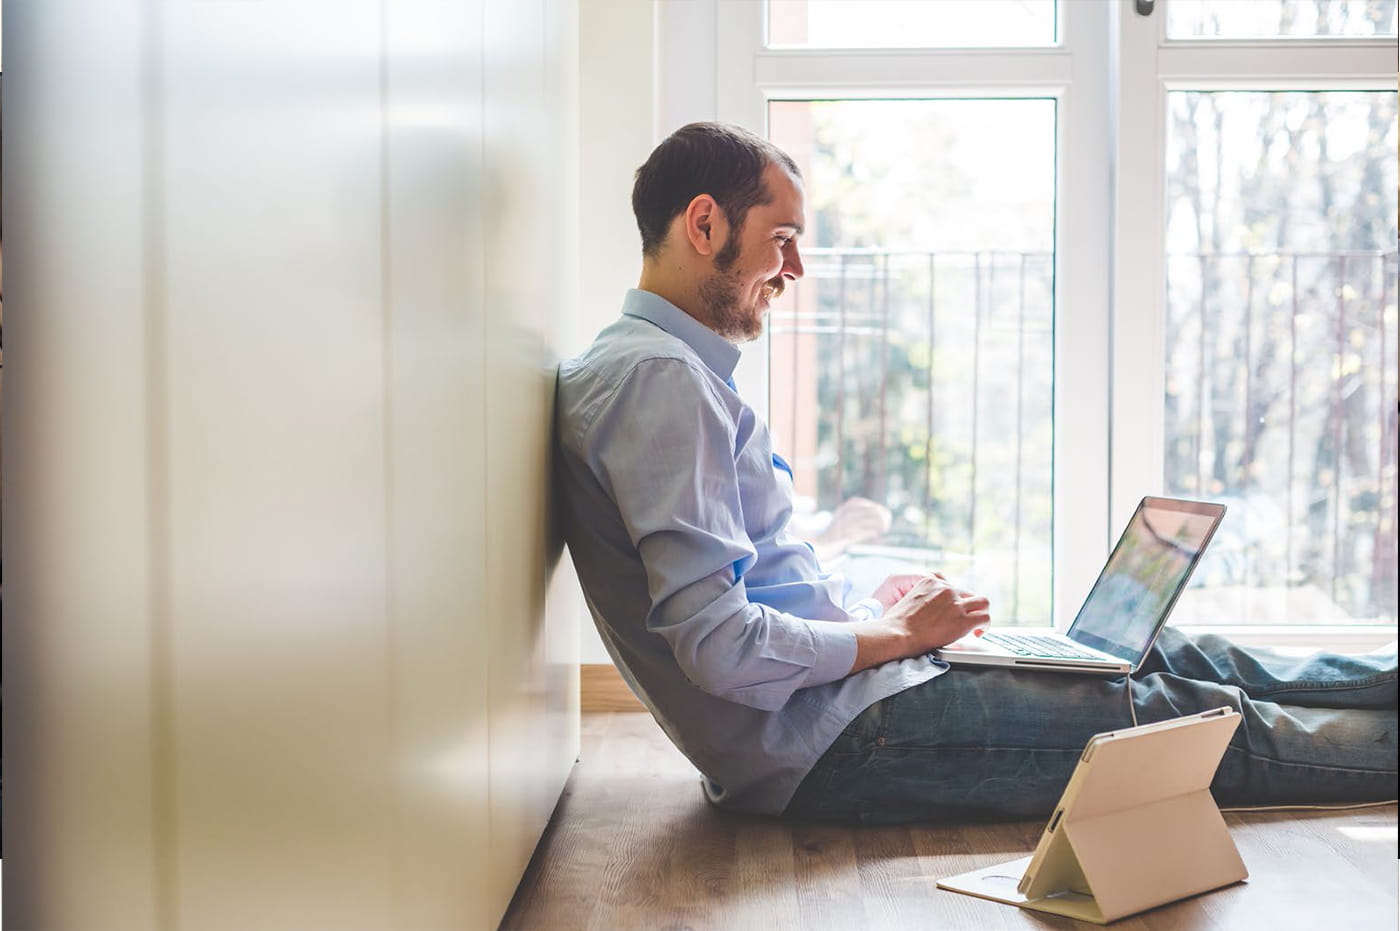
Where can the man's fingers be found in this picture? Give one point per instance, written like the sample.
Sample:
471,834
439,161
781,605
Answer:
977,612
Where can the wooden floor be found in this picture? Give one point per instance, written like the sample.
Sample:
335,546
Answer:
633,845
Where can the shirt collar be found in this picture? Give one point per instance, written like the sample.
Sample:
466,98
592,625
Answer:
714,350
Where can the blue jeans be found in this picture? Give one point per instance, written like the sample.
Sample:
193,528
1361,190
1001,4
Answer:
995,744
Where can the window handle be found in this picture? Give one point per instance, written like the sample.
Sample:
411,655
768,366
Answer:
1144,7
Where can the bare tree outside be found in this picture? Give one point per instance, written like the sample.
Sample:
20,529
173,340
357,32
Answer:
1281,396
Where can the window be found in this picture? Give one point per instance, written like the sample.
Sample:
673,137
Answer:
913,364
1280,366
1262,372
1262,19
1068,255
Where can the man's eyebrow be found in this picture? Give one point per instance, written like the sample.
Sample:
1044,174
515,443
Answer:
793,225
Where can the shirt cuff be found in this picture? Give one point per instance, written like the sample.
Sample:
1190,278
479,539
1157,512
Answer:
835,643
867,609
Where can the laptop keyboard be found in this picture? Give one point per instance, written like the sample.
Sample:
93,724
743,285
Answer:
1033,645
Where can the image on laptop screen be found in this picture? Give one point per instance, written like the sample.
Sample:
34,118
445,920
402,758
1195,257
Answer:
1145,573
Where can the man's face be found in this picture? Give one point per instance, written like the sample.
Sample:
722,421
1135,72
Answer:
753,266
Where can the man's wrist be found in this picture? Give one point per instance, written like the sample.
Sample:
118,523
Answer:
880,641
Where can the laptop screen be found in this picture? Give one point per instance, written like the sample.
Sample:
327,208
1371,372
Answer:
1145,574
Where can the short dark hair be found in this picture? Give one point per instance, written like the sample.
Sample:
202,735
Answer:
726,162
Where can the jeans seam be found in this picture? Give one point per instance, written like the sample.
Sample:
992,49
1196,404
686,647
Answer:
1381,680
1330,769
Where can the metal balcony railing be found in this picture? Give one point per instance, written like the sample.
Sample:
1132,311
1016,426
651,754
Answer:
924,381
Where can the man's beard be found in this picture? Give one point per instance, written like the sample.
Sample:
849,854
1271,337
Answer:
720,295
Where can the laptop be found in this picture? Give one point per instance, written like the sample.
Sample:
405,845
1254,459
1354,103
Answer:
1129,603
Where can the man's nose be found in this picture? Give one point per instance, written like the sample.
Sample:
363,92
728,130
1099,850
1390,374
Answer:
792,263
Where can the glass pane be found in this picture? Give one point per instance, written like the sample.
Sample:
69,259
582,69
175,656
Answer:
912,365
1280,358
1273,19
911,23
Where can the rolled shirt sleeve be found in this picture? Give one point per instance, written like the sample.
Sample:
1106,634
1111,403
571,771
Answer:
665,446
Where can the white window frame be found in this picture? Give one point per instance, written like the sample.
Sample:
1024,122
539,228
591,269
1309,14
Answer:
713,63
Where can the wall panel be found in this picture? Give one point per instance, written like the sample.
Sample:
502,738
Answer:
271,168
522,251
616,102
436,464
77,631
282,648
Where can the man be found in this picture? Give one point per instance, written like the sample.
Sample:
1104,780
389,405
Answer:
788,697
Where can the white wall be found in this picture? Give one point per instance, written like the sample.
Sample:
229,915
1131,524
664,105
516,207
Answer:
285,287
616,104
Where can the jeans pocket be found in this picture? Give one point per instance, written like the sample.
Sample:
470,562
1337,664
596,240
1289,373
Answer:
865,732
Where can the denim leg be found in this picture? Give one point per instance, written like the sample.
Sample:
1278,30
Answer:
1317,728
980,744
1281,753
1318,680
972,744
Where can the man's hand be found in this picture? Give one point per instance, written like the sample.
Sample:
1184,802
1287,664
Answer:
896,587
928,612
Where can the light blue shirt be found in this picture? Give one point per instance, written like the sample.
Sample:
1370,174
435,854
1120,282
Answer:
676,510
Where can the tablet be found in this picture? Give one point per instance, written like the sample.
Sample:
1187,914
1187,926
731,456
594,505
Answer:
1135,828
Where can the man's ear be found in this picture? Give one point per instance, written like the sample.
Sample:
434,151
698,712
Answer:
704,224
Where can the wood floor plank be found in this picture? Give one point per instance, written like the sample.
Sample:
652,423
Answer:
828,882
556,889
766,889
947,850
1300,861
634,845
892,886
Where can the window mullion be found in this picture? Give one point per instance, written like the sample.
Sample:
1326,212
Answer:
740,31
1278,65
1138,293
1083,199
